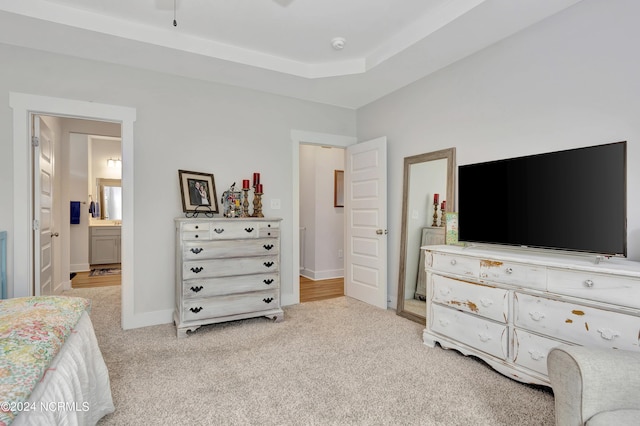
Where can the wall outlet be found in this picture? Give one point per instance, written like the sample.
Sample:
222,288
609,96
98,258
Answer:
275,204
340,254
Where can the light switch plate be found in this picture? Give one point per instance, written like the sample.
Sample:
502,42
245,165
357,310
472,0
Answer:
275,204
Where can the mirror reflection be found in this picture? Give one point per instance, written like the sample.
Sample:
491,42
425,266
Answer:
110,198
425,175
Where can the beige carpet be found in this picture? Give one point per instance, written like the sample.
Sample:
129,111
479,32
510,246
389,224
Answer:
332,362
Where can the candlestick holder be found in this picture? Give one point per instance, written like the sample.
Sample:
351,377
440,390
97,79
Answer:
245,202
435,214
442,217
257,205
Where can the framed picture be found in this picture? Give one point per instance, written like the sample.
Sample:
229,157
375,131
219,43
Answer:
198,191
338,188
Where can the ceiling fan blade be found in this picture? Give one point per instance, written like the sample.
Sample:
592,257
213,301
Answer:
284,3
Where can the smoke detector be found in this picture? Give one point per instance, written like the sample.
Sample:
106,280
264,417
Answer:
338,43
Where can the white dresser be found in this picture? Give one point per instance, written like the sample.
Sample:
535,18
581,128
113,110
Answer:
226,269
510,307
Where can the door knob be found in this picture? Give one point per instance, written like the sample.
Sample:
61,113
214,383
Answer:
381,231
55,234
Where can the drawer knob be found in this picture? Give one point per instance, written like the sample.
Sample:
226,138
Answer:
445,291
196,250
268,264
196,289
486,302
197,270
268,281
536,355
196,310
197,227
484,337
453,261
536,316
608,334
509,270
588,283
268,300
218,230
268,246
197,235
444,322
248,229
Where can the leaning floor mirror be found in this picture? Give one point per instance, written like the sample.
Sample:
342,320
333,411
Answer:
428,182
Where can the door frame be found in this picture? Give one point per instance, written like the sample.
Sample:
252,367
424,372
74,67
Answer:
299,137
24,107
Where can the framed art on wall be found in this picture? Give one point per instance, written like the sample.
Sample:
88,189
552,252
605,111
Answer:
198,191
338,188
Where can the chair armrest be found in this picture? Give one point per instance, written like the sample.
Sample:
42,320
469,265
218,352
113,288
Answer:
587,381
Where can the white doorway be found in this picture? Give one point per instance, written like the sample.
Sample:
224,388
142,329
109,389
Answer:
298,138
24,107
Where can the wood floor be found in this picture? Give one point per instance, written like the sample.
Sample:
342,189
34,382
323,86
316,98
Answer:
319,290
83,280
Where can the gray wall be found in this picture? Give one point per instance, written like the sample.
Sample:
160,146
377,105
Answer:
181,124
569,81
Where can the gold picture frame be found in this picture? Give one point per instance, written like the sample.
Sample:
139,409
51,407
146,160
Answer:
338,188
198,191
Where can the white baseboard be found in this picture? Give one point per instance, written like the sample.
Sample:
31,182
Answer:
79,267
322,275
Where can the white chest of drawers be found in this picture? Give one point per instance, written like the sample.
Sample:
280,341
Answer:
510,307
226,269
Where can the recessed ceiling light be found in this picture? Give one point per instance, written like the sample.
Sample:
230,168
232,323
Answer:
338,43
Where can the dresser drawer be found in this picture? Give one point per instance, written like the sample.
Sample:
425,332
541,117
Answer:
233,248
613,289
515,274
196,227
199,309
199,288
485,335
489,302
531,350
459,265
229,267
575,323
233,230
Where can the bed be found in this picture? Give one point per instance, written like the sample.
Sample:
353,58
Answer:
51,368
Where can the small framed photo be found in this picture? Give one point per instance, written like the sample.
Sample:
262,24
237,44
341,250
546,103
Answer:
198,191
338,188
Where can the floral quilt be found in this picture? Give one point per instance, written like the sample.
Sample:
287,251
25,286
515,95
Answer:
32,331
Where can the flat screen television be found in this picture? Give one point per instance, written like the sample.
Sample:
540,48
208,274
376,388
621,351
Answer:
572,200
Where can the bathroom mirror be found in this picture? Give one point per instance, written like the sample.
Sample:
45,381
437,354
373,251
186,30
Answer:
110,198
424,176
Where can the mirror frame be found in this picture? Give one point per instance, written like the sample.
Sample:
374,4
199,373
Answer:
450,155
101,183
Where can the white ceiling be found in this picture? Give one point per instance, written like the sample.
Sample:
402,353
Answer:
277,46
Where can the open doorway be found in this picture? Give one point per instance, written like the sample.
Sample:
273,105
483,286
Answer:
321,222
24,107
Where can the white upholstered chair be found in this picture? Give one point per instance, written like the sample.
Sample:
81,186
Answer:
595,387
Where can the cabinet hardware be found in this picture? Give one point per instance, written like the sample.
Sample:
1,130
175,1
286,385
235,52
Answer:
268,264
196,270
267,281
268,246
588,283
486,302
536,316
608,334
509,270
248,229
219,230
268,300
196,250
196,289
536,355
197,227
484,337
453,261
195,310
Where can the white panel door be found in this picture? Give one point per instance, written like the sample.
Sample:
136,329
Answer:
43,232
366,222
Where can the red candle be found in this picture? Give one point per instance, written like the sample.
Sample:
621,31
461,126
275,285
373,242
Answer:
259,188
443,205
256,179
436,197
245,184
